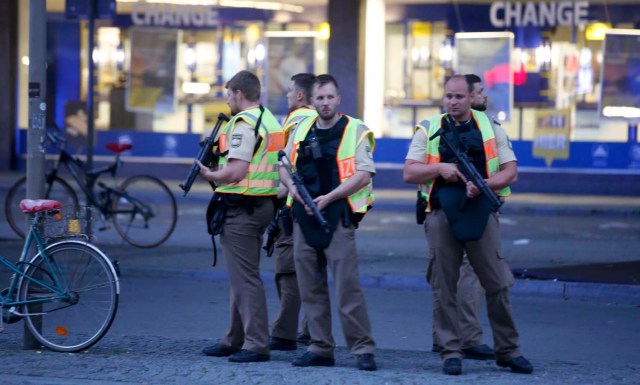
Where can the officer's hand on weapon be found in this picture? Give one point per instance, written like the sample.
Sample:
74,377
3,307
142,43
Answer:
450,172
321,201
472,190
204,171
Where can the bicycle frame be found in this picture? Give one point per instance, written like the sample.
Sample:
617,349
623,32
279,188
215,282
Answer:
86,180
19,270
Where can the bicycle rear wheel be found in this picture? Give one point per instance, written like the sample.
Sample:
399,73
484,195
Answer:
85,312
145,211
58,190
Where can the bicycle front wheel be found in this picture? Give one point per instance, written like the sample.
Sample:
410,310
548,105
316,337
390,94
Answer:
58,190
84,311
144,211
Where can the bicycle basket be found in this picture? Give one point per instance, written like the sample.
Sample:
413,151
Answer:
67,223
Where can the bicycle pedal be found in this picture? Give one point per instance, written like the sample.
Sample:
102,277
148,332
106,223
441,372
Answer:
103,228
10,317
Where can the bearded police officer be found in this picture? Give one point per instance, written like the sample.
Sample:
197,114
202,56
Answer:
285,325
333,155
470,292
460,220
247,183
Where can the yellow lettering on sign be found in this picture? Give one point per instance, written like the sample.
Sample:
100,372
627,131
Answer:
552,135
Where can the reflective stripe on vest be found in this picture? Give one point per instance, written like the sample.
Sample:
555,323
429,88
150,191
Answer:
432,154
345,158
294,118
262,176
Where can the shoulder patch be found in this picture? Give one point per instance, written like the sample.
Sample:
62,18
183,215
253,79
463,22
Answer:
236,140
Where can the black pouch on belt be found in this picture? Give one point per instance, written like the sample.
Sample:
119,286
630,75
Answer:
215,220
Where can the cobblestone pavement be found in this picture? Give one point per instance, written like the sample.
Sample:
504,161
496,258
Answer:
161,324
159,360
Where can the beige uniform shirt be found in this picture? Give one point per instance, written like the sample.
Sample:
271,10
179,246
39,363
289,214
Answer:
418,147
242,141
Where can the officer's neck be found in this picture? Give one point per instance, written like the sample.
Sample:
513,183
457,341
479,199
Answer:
464,119
323,124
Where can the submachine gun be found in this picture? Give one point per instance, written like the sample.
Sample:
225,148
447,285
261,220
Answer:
302,190
205,156
465,165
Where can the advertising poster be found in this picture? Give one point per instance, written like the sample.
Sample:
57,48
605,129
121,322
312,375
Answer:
488,55
287,56
151,84
552,135
620,92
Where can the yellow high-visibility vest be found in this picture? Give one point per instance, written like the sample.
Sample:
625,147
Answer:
362,199
295,117
432,155
262,177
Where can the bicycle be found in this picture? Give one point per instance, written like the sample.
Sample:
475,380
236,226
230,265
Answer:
142,208
67,293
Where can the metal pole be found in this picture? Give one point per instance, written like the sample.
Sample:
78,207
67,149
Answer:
90,110
37,113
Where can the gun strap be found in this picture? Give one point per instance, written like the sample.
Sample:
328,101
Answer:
257,129
215,250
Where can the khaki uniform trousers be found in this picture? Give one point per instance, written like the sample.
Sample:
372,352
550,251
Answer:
352,309
469,300
285,325
445,259
241,240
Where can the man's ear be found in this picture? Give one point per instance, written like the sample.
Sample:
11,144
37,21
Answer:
300,96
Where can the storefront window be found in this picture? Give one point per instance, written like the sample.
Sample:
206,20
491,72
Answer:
416,62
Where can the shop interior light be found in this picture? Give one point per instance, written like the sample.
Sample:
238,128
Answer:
292,34
96,55
269,5
596,31
260,52
25,60
190,58
446,53
543,55
196,88
120,57
324,30
621,112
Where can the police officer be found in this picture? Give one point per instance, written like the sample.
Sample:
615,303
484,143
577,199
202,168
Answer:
248,162
333,155
285,325
470,292
459,220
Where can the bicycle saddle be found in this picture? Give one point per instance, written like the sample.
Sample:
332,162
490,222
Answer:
32,206
117,148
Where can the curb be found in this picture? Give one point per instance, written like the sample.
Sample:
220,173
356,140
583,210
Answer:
582,291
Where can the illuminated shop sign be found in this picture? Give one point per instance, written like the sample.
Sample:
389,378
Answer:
169,15
506,14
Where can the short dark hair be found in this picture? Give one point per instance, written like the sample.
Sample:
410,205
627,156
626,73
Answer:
463,77
472,79
246,82
324,79
304,82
